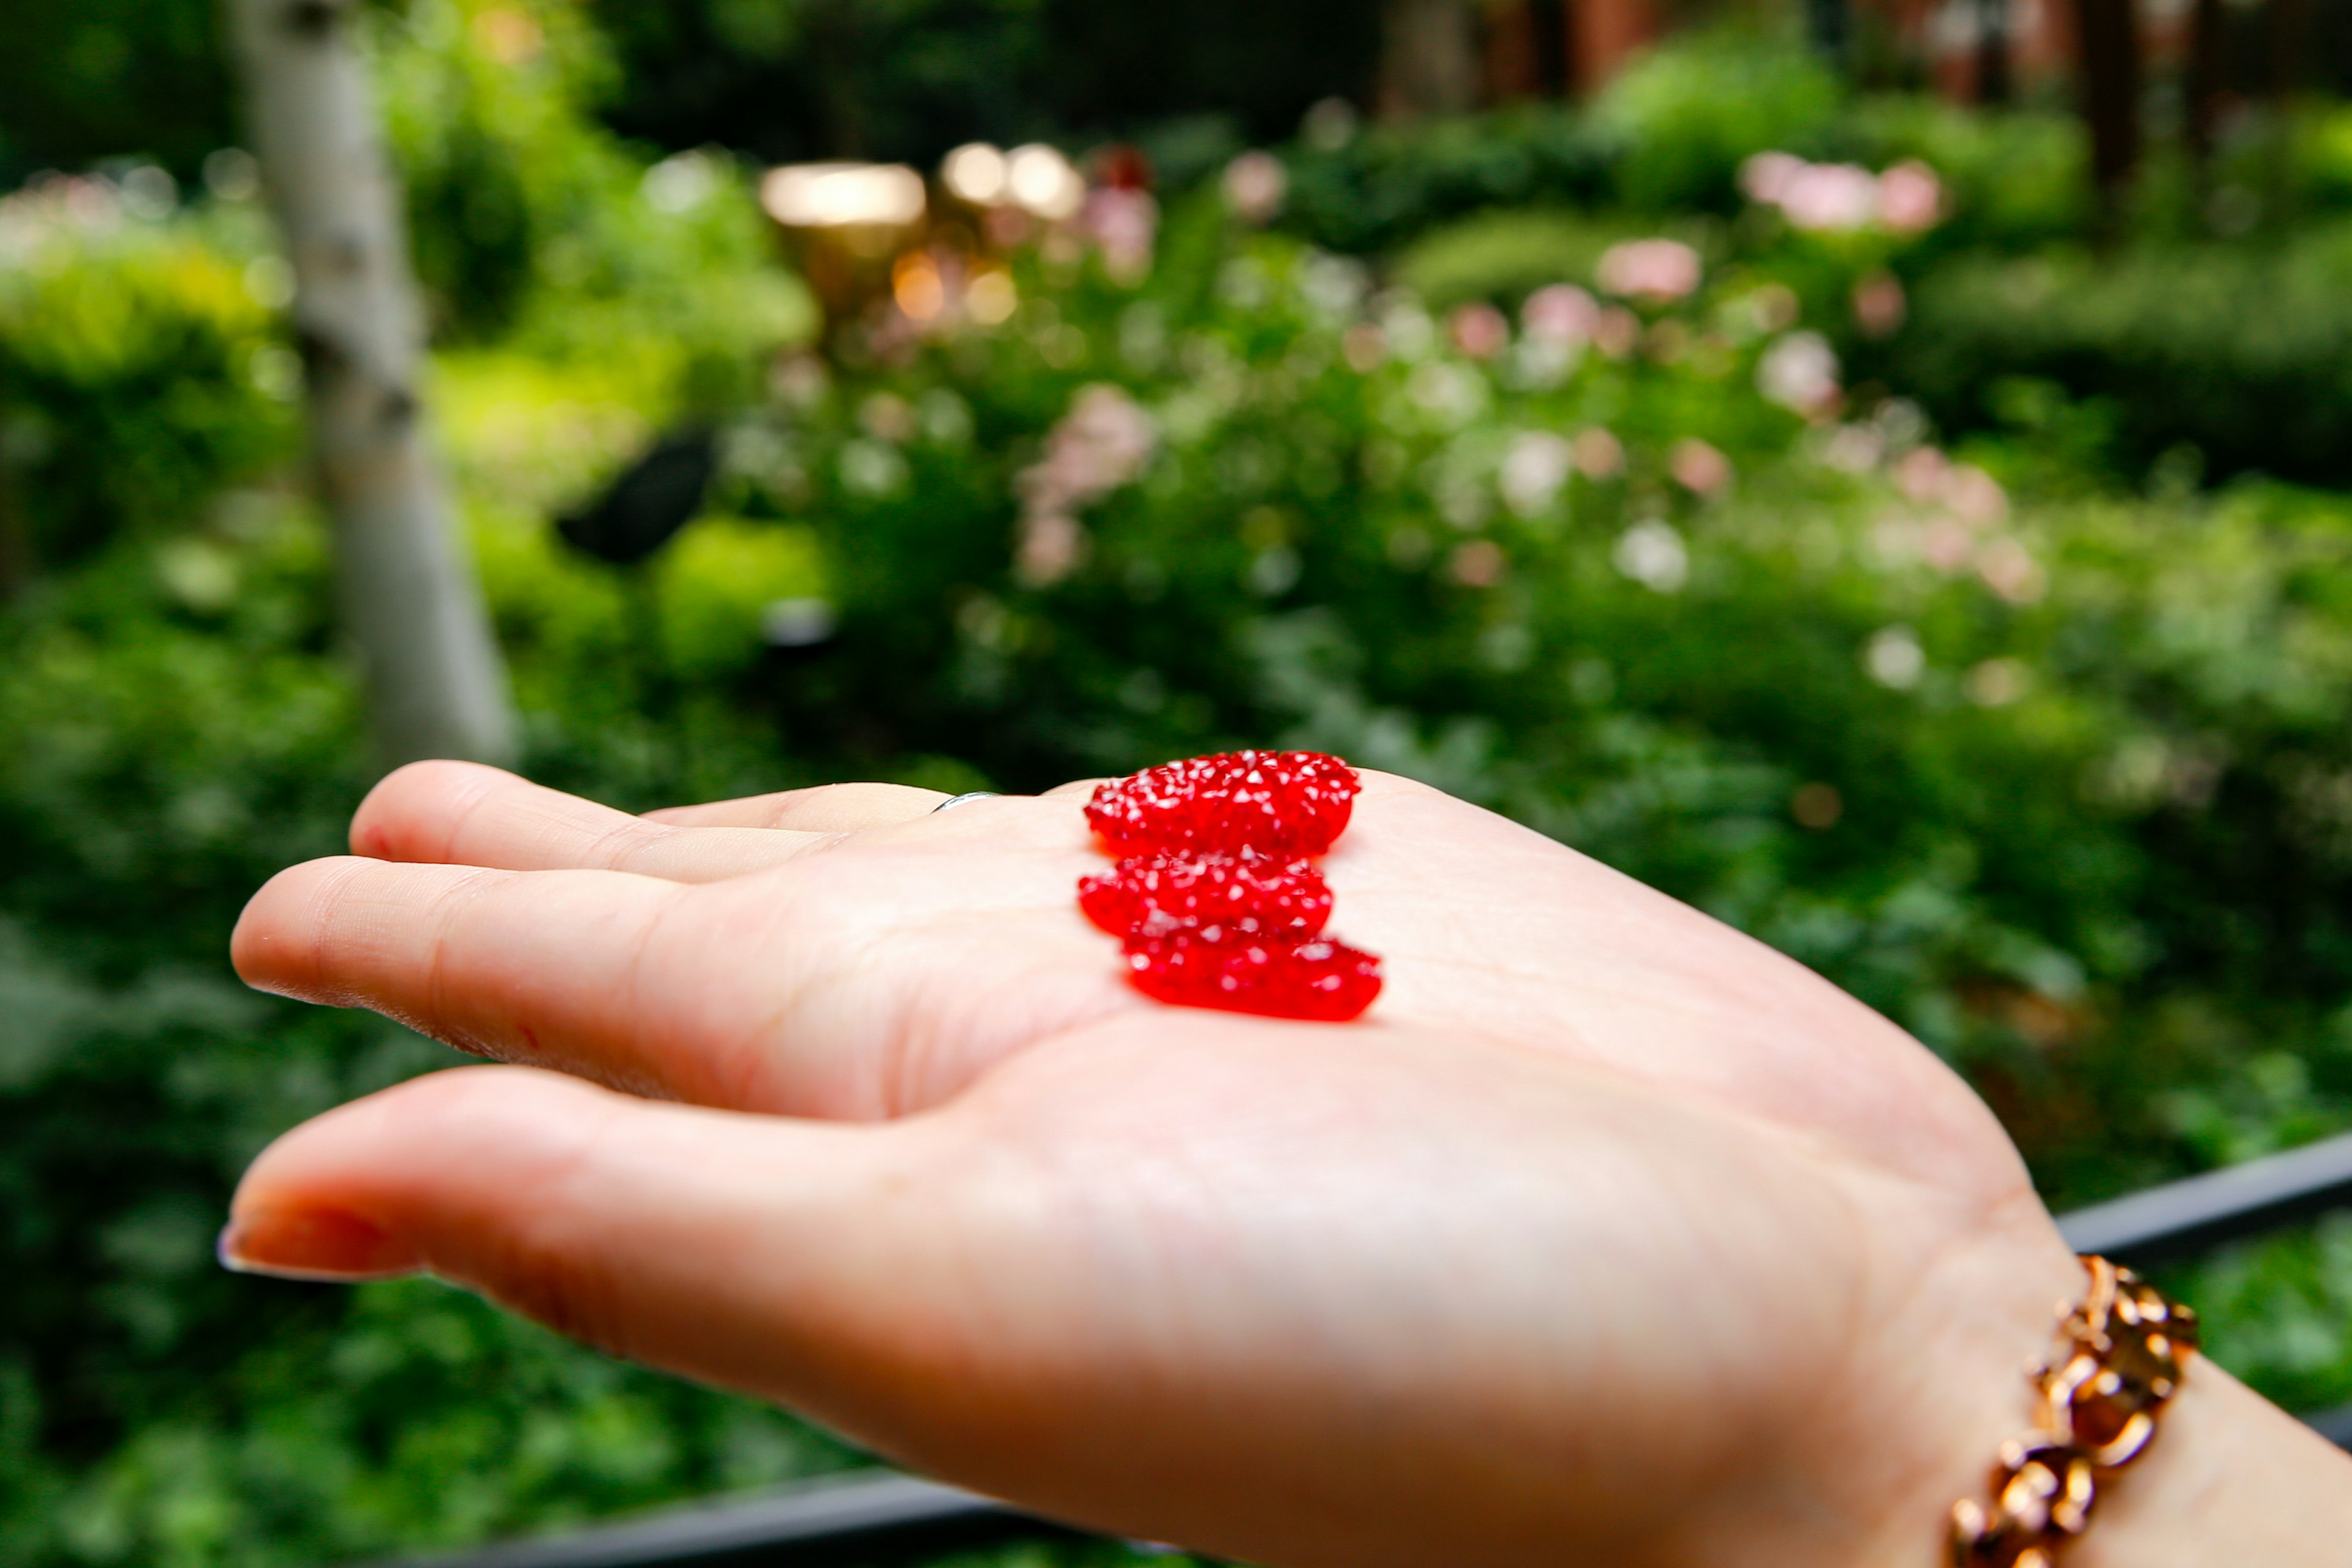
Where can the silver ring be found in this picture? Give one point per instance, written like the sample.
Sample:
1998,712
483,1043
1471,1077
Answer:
965,799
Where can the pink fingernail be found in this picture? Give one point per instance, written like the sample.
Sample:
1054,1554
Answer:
314,1243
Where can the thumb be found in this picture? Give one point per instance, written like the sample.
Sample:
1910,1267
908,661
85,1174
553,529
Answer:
766,1255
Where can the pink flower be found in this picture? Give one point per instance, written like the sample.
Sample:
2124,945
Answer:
1910,197
2010,570
1975,496
1478,565
1799,372
1700,468
1920,474
1617,331
1945,544
1766,177
1659,271
1833,196
1255,184
1051,545
1099,444
1534,469
1563,315
1126,223
1598,454
1879,305
1479,331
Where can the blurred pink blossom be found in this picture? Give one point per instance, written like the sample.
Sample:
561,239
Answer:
1974,496
1856,449
1831,197
1255,185
1659,271
1841,197
1700,468
1920,474
1598,454
1051,546
1478,565
1617,331
1534,469
1910,197
1126,223
2010,570
1945,544
1766,177
1563,315
1879,305
1799,372
1479,331
1099,444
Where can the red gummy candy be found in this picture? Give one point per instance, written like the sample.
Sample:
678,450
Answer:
1276,803
1153,895
1321,980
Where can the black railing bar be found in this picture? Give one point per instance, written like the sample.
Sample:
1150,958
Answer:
2180,1218
2335,1427
798,1524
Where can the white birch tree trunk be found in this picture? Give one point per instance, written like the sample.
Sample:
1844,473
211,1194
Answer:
412,608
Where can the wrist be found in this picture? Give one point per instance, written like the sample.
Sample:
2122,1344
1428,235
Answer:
2225,1472
1950,1371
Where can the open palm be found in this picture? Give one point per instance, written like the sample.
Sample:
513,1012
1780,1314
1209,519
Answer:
1609,1236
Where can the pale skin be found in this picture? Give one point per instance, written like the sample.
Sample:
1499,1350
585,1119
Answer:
1608,1236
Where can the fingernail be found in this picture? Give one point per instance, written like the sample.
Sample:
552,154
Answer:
314,1243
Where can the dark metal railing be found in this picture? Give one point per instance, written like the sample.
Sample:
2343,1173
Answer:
875,1517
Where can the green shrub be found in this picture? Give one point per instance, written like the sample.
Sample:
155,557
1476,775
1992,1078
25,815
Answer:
534,228
2243,357
139,372
1668,139
1686,115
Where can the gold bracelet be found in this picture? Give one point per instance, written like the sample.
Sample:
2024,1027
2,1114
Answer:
2126,1346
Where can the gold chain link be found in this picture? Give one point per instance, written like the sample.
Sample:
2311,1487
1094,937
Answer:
2125,1348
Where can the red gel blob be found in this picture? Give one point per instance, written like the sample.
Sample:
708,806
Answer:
1154,895
1276,803
1320,980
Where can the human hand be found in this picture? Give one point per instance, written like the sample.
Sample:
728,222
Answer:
1608,1236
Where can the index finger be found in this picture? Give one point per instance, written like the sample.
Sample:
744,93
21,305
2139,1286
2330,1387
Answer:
825,808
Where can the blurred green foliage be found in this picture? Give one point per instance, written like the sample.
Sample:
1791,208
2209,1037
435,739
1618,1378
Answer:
2233,358
1668,137
2041,752
103,78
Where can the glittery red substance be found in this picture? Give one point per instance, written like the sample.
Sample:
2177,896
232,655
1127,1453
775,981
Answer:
1321,980
1213,898
1154,895
1276,802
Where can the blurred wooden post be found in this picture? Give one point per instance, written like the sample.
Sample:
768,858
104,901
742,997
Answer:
1994,76
410,603
2209,74
1429,57
2107,35
1603,34
1526,49
2289,39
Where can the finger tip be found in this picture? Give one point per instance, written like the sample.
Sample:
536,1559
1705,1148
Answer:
315,1243
265,948
409,801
